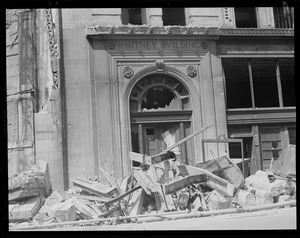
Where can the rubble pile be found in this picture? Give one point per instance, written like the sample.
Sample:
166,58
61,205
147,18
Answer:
158,185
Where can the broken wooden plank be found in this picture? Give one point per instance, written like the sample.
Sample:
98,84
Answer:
88,197
181,141
213,181
112,181
226,169
95,188
85,208
184,182
145,181
122,196
137,201
25,210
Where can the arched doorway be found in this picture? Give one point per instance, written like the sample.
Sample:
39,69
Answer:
160,115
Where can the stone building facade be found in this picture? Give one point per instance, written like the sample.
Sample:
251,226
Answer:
107,81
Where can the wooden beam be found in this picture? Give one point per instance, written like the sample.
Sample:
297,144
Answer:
184,182
213,181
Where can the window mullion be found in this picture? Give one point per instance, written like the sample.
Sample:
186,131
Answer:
251,84
279,88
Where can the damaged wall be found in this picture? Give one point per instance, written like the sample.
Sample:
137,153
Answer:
33,108
48,123
20,85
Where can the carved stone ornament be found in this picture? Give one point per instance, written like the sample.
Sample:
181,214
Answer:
191,71
111,45
128,72
204,44
159,65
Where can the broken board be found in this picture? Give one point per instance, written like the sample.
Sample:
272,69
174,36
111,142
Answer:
225,168
213,181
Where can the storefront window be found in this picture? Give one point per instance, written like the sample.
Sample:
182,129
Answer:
287,77
292,135
259,83
265,83
237,84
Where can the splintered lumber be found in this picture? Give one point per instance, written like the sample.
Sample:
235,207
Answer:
25,210
184,182
112,181
140,158
123,195
137,201
88,197
95,188
245,198
145,181
226,169
213,181
180,142
85,208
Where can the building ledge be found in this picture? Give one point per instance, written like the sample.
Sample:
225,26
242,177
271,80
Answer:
256,32
261,115
151,30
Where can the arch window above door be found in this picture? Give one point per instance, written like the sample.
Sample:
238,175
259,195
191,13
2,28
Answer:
159,93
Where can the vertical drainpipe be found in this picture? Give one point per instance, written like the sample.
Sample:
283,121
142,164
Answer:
63,105
34,95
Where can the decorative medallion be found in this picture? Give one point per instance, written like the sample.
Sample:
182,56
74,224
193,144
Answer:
111,45
128,72
159,65
204,44
191,71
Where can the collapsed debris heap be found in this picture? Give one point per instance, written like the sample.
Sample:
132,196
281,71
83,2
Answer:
158,186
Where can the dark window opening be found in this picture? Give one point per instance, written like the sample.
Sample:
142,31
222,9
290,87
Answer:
283,17
131,16
245,17
158,98
135,143
237,84
265,83
287,77
292,135
235,148
173,16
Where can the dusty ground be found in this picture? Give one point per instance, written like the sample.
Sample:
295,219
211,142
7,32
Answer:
284,218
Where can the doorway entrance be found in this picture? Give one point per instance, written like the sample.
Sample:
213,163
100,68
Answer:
160,115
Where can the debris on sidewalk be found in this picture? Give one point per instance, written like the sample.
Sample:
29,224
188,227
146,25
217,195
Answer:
30,183
165,186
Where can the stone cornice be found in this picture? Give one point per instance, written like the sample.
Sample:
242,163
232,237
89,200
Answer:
185,30
152,30
256,32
